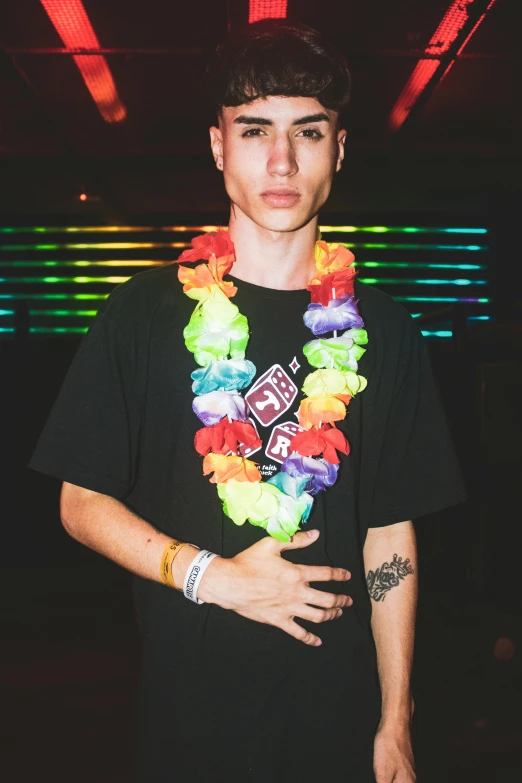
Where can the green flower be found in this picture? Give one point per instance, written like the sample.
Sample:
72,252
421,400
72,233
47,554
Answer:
216,330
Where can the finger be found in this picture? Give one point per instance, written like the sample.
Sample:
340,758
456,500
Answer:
319,615
300,540
325,574
326,600
301,634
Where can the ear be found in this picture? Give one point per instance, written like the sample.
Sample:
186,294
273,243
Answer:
216,145
341,138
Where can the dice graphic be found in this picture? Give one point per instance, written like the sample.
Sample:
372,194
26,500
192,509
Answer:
247,451
271,395
278,448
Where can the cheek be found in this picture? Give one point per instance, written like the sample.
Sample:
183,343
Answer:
240,168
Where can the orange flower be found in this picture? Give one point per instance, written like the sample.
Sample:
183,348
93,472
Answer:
225,468
330,257
315,411
206,275
212,244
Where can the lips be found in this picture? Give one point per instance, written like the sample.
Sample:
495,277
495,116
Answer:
280,197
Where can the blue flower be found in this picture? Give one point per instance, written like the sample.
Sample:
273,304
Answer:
223,375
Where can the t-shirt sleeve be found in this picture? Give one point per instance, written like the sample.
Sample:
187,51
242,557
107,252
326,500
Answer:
91,435
418,469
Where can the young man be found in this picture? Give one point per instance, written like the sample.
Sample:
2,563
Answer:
256,683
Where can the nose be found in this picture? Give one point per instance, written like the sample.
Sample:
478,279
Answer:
282,160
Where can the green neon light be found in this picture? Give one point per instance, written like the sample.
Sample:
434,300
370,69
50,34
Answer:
53,296
450,299
82,280
180,245
323,229
58,329
440,333
9,264
415,265
393,246
395,281
143,263
89,313
96,246
7,312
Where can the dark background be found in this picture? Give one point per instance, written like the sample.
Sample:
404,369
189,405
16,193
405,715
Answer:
69,639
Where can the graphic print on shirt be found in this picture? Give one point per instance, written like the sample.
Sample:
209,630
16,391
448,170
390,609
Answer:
271,396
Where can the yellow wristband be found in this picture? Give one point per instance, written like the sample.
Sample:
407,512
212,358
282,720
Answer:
171,550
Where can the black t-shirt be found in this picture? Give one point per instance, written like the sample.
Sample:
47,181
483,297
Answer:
123,425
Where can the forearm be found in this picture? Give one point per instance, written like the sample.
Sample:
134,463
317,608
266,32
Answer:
390,560
107,526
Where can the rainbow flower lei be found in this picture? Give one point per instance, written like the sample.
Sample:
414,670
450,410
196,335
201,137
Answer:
217,335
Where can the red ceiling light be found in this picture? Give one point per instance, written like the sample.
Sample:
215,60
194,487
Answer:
74,28
266,9
453,21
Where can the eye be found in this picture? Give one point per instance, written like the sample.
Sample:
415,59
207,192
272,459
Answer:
312,133
251,133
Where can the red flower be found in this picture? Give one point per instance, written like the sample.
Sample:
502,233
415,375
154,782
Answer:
341,282
225,436
206,245
326,441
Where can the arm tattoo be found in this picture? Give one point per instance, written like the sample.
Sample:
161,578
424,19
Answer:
387,576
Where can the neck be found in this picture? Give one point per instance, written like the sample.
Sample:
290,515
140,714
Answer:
272,259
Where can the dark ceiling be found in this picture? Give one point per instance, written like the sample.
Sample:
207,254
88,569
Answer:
54,143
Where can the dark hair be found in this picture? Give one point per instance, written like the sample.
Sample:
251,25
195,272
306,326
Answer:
275,57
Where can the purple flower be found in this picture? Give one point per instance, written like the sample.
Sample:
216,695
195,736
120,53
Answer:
339,314
318,472
212,407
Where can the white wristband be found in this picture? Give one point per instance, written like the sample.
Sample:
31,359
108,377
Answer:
195,573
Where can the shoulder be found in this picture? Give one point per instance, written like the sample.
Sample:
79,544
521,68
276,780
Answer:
138,299
144,290
148,305
383,316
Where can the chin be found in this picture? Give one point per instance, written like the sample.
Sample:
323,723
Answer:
282,219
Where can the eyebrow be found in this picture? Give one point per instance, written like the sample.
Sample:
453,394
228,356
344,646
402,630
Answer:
245,119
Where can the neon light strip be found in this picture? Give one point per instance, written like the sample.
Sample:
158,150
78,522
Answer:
451,299
452,23
196,229
55,313
53,296
142,245
58,329
113,280
266,9
72,24
408,265
93,313
84,329
368,280
134,263
9,264
402,281
390,246
95,246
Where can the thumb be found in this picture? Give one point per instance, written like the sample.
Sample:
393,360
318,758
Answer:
301,539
